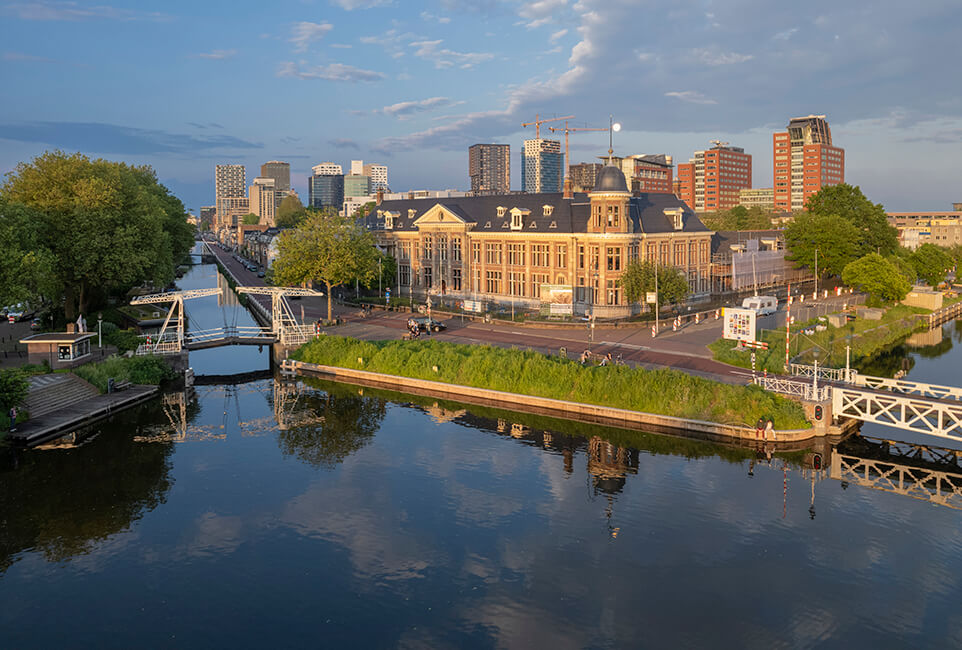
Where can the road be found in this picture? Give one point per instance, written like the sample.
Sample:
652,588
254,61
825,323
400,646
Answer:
683,350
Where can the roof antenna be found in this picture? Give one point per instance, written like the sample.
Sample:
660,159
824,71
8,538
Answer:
613,127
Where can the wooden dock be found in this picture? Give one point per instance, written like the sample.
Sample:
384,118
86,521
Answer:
76,415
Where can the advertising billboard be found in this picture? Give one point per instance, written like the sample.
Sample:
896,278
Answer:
559,297
739,324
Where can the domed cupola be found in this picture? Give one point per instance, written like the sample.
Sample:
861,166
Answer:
610,179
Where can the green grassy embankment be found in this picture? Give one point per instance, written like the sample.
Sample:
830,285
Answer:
525,372
136,370
867,338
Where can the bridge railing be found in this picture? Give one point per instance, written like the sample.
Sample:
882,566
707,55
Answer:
296,334
922,415
802,389
218,333
828,374
169,343
909,387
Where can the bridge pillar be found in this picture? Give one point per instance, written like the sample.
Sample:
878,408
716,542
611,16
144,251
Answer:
820,415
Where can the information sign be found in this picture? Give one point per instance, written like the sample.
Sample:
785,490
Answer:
739,324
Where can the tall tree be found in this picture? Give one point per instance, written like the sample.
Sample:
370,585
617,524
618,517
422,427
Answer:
848,202
877,277
931,263
289,212
835,240
639,278
107,225
326,248
738,218
251,219
27,268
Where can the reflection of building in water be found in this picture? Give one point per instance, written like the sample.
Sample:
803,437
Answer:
609,465
442,415
226,297
925,339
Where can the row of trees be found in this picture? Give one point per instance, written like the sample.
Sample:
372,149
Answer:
74,230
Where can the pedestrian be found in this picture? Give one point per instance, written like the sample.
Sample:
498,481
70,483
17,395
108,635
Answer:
759,428
770,429
606,360
13,418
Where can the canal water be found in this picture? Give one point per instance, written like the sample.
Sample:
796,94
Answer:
279,514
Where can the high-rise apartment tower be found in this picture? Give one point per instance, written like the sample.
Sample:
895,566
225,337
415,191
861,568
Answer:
262,201
713,178
230,182
541,162
489,166
378,174
280,172
804,161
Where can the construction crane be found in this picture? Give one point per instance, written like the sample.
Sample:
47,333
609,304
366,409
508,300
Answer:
567,161
538,122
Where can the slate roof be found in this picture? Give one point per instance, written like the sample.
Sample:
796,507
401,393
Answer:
568,216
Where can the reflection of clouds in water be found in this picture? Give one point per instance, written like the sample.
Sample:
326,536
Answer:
216,535
480,507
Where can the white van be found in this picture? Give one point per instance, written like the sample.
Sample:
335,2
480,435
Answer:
763,305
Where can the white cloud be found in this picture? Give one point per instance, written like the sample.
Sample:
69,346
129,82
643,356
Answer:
330,72
427,16
351,5
304,33
405,109
712,57
541,12
690,96
558,34
785,35
217,54
445,58
73,11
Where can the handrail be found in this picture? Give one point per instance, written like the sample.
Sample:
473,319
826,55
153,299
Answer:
802,389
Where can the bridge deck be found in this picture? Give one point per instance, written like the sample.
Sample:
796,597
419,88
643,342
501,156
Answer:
229,340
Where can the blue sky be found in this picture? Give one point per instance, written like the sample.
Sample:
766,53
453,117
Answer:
184,85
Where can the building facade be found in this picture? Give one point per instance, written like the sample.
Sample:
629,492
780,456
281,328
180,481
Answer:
583,176
541,162
804,161
262,200
941,228
280,172
489,167
648,173
502,249
714,177
763,197
357,185
230,183
325,191
327,169
378,176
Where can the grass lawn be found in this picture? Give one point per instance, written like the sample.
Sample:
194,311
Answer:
525,372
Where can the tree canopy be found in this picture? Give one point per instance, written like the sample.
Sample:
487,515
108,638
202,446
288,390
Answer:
639,278
27,269
289,212
328,248
835,239
877,277
848,202
251,219
106,226
738,218
931,263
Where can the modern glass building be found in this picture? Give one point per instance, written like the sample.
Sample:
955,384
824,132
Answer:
325,191
541,166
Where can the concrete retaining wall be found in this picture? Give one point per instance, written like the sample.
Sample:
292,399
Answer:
605,415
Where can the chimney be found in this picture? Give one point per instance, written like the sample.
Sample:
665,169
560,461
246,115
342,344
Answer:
71,328
380,197
568,189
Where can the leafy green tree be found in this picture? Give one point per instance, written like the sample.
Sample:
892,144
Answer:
289,212
738,218
848,202
13,389
326,248
835,239
639,278
251,219
108,226
877,277
388,266
364,210
27,268
931,263
904,267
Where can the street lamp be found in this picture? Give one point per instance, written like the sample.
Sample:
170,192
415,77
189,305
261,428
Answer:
100,319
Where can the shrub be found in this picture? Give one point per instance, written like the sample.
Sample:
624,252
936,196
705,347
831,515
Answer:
137,370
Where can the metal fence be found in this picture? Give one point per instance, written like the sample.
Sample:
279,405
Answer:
802,389
829,374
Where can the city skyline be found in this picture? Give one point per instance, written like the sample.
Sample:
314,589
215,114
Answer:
415,92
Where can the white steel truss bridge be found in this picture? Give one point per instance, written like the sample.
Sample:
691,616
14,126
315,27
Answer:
174,338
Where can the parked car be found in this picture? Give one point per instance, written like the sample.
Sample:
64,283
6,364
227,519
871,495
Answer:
36,324
424,323
261,274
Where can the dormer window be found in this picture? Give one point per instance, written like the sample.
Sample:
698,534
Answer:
548,209
389,222
411,213
517,218
501,210
380,214
553,224
676,215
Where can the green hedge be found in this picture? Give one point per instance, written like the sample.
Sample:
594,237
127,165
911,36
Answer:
525,372
137,370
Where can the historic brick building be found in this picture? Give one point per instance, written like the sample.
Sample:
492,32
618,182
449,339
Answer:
503,248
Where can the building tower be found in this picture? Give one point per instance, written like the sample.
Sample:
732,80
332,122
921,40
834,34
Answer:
230,185
489,166
325,188
280,172
262,200
378,175
541,162
804,161
713,178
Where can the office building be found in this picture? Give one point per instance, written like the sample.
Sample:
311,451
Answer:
763,198
378,175
713,178
541,162
357,185
230,182
548,250
326,190
207,214
804,161
942,228
646,172
489,167
327,169
262,200
583,176
280,172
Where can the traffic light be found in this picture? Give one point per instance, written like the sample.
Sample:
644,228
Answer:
818,412
816,461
